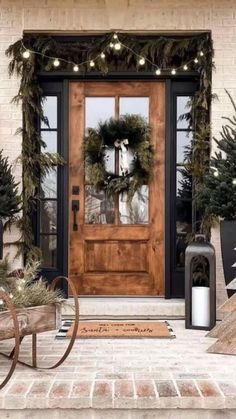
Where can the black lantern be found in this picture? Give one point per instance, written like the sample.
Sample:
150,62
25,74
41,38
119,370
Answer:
200,285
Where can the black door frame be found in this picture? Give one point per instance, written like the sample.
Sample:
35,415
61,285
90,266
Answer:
58,84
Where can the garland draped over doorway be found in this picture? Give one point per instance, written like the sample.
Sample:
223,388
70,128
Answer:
159,55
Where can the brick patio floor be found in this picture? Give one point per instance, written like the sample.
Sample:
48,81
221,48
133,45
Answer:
124,374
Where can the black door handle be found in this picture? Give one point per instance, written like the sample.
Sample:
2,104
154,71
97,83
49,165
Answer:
75,209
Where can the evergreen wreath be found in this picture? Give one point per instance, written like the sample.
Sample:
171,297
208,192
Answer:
130,133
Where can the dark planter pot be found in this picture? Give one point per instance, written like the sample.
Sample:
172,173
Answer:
228,244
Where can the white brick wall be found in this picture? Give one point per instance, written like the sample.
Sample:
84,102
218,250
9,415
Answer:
219,16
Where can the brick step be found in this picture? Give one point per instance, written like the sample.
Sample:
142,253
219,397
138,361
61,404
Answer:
119,414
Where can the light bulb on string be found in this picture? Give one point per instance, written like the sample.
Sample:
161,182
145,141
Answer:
92,63
26,54
102,55
196,60
76,68
234,181
216,172
201,53
117,46
185,67
158,72
56,62
173,71
115,36
111,45
141,61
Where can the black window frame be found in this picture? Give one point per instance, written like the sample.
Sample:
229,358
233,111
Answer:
174,276
59,89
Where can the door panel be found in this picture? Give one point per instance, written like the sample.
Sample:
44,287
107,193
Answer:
117,251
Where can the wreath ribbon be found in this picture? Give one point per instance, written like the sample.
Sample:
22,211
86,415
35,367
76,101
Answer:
122,145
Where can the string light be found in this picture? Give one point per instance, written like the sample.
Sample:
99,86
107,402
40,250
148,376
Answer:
117,45
234,181
215,173
56,62
141,61
26,54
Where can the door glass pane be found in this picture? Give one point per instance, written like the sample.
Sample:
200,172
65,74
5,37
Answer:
183,107
50,139
48,247
49,185
48,217
184,139
183,229
135,105
183,183
135,212
98,109
98,208
50,111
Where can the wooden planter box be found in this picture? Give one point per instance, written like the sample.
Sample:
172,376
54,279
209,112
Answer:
31,320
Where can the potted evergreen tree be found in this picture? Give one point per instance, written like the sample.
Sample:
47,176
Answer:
9,198
217,196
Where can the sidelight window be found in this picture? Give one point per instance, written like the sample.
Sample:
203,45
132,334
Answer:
49,185
184,135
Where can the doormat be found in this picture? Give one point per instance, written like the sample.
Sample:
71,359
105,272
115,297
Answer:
114,329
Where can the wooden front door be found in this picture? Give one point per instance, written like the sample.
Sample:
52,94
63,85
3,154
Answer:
116,251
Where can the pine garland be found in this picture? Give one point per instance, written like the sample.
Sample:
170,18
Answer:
166,52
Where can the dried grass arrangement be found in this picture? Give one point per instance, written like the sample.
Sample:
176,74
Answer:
23,288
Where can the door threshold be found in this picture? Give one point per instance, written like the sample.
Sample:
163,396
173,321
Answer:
126,308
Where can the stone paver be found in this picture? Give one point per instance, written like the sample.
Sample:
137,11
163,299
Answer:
124,374
166,388
187,388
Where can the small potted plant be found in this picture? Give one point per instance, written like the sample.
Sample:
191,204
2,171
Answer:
200,292
9,198
217,196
